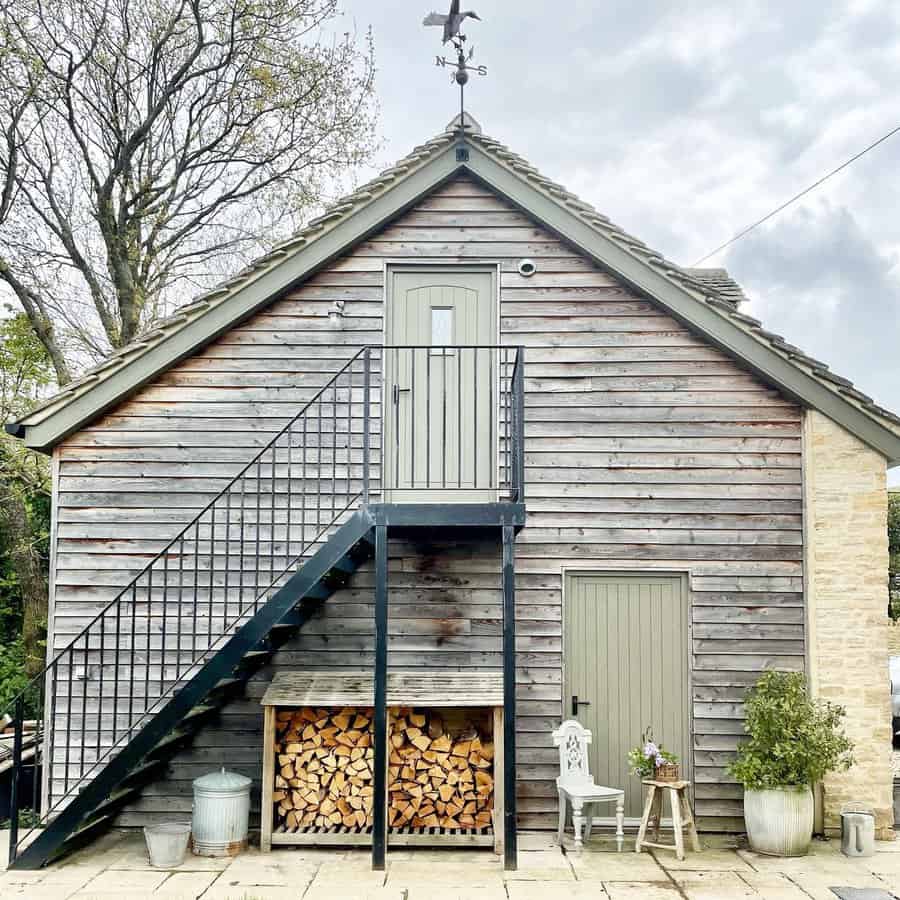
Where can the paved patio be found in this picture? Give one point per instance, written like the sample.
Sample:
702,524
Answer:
117,866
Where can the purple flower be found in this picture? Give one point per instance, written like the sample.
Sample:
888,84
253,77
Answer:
659,759
650,750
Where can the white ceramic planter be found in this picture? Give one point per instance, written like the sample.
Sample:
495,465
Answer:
779,821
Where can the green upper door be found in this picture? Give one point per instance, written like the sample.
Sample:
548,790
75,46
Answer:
441,386
625,651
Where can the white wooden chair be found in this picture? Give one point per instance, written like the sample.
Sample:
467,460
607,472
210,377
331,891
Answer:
576,786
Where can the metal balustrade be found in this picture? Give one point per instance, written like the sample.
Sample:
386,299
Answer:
393,422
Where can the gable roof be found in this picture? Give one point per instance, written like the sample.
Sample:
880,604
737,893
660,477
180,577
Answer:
705,300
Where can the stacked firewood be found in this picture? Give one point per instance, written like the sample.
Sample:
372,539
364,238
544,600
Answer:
435,779
324,768
324,776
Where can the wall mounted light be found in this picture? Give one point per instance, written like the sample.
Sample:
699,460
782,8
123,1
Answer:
336,312
527,268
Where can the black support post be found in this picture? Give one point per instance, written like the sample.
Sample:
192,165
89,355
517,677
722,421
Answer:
509,699
379,811
16,775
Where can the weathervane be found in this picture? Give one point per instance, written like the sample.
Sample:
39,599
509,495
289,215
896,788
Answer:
452,23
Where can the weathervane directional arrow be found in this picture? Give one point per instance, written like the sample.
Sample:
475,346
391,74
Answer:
452,25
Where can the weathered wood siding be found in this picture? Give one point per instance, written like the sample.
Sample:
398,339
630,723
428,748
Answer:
646,449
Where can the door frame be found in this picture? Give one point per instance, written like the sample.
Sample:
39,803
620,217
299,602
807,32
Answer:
684,576
389,268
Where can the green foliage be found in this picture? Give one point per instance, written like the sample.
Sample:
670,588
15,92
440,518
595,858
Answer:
14,678
794,740
25,368
25,374
28,819
894,546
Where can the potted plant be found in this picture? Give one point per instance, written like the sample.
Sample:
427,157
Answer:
652,760
794,741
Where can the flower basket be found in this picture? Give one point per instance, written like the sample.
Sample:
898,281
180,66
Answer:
668,771
652,760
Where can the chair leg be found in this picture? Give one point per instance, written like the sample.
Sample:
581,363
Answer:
645,818
578,821
620,821
588,821
562,818
675,802
689,821
656,813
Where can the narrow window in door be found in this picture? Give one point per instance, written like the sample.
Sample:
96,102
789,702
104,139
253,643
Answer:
441,328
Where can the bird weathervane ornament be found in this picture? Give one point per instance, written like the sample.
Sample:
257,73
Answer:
452,25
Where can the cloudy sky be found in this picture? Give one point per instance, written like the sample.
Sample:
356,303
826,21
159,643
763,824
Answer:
685,121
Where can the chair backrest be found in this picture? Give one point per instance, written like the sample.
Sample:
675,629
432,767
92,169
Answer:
573,738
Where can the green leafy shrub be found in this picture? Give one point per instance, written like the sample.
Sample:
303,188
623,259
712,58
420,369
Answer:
794,740
14,679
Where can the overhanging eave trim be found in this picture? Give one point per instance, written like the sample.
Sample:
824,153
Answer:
691,311
243,302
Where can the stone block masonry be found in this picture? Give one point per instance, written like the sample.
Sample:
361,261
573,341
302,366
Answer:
845,486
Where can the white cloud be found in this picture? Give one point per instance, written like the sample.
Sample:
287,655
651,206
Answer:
684,120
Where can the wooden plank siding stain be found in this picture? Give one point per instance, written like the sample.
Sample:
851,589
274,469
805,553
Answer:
647,448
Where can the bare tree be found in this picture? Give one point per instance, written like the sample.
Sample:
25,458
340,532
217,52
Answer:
149,144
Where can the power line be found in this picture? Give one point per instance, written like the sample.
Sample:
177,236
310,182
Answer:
797,197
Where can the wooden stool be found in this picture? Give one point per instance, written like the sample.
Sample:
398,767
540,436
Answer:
682,815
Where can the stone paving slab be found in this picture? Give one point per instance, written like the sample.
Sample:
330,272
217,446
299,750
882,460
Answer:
122,884
117,866
714,885
774,886
819,888
625,866
185,885
705,861
642,890
550,890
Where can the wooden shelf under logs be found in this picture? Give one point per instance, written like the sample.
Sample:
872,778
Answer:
445,759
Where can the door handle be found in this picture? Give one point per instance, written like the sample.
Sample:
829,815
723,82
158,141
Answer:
397,391
576,703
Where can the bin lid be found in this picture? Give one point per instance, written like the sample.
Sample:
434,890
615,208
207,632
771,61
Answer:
222,782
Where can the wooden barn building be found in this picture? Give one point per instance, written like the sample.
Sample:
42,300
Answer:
458,461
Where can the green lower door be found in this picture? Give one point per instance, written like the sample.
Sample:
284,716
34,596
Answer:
626,668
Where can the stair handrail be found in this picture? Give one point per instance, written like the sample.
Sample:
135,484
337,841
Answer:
317,523
37,679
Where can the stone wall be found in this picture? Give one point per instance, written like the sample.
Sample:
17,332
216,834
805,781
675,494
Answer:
847,565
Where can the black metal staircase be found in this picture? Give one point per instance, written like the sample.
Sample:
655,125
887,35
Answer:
141,679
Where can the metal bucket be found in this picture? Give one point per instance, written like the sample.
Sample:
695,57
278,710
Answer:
167,843
221,814
857,832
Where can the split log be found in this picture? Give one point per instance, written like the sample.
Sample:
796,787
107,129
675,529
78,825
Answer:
434,775
438,777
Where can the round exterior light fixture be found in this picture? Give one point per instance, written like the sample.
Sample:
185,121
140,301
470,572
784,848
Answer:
527,268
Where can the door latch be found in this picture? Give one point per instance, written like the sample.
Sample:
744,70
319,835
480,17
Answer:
396,391
576,703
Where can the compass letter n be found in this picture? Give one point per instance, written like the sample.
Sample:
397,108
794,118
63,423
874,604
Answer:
440,61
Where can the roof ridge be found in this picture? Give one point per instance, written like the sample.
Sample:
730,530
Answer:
712,287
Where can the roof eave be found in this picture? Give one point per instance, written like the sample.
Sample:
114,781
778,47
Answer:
684,306
52,424
49,430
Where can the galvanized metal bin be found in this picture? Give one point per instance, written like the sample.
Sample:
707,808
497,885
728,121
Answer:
221,814
857,832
